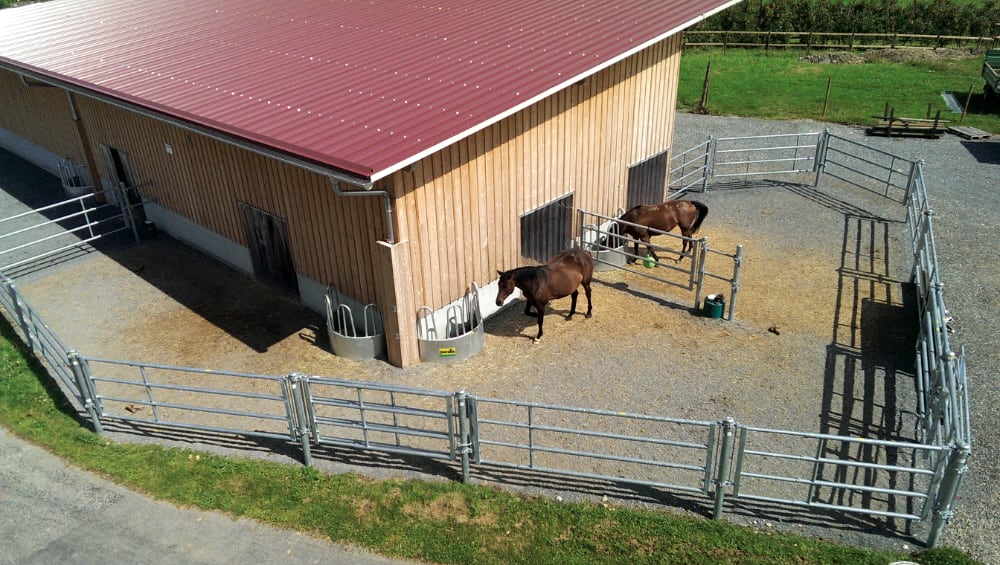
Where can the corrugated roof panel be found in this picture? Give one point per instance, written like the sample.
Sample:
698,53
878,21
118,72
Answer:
362,86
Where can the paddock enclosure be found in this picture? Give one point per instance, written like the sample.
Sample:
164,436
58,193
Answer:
649,393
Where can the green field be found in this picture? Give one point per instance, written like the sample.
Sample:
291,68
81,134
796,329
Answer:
780,85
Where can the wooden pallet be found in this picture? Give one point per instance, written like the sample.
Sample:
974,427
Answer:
922,127
969,132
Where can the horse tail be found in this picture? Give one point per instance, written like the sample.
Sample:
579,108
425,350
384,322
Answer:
702,212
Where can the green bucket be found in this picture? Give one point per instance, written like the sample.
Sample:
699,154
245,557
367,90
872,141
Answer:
713,306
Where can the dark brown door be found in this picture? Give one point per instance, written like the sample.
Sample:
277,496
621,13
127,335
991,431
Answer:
267,238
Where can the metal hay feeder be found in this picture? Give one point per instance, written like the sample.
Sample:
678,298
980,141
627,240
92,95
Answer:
355,331
454,333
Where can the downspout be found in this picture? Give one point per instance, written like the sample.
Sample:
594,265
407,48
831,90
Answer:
81,132
369,192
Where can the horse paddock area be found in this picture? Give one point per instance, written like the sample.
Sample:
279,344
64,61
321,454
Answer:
822,339
646,350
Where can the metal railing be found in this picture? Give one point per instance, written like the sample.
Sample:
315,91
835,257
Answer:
716,458
39,337
25,238
866,167
615,446
691,169
378,417
690,270
849,474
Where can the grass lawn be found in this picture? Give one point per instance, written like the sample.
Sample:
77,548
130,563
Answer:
779,85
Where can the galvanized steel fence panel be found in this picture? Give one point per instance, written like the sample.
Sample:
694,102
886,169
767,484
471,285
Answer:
866,167
596,444
379,417
848,474
34,235
222,401
38,336
690,170
757,156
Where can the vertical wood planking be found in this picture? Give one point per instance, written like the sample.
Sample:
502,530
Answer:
41,115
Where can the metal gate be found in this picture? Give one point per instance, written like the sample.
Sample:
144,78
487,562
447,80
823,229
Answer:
599,234
59,229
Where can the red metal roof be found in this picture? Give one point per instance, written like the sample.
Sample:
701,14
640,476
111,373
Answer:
364,86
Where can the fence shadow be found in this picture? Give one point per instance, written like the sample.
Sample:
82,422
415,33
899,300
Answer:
869,377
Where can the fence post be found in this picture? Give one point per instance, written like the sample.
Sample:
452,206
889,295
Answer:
19,312
721,479
302,433
464,444
822,148
826,97
127,210
916,169
699,274
945,499
737,268
84,385
709,163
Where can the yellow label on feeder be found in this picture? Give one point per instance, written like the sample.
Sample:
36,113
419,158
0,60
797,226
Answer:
447,351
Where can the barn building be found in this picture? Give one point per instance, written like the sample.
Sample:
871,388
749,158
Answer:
398,151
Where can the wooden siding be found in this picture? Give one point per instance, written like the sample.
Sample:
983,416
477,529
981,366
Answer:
460,208
332,238
41,115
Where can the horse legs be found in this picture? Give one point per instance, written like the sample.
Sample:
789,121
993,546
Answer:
649,249
686,246
527,309
541,315
572,304
586,289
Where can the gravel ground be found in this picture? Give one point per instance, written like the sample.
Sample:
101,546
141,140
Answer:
643,351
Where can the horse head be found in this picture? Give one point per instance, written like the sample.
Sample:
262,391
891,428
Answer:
505,286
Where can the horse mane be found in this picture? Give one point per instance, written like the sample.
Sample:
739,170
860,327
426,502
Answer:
630,211
527,273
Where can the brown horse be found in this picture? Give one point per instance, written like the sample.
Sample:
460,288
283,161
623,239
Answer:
687,214
558,278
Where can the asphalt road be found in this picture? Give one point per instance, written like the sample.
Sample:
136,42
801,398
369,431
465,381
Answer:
51,513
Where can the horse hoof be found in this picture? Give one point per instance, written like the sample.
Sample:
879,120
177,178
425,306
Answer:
536,340
589,316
